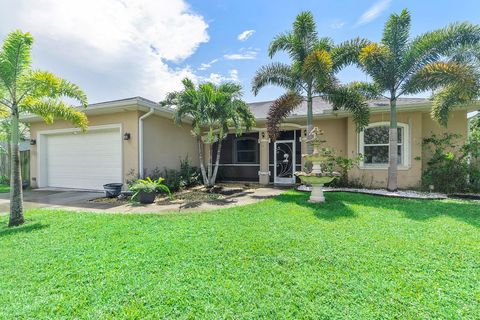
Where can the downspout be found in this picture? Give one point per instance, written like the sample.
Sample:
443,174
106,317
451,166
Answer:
140,141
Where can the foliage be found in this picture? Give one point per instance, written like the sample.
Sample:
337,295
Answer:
344,165
399,65
341,164
4,180
356,256
213,110
4,187
314,63
148,186
452,167
26,90
175,180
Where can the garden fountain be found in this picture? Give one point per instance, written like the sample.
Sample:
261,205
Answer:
316,178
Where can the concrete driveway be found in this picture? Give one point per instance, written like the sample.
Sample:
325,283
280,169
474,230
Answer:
54,199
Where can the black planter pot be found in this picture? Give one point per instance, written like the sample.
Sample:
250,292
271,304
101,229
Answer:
146,197
112,190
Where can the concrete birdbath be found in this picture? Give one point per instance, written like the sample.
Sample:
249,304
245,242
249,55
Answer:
316,178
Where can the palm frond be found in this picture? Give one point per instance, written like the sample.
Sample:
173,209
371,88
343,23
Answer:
279,110
40,84
15,58
352,98
450,97
439,74
276,73
317,65
376,60
347,53
281,42
396,34
51,109
432,46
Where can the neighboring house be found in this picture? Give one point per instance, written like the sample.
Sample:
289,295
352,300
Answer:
137,135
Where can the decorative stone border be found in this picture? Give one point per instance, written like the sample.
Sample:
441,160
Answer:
406,194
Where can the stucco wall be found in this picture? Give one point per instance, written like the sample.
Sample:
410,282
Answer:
334,133
128,120
166,143
420,126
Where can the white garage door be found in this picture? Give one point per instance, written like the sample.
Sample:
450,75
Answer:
84,160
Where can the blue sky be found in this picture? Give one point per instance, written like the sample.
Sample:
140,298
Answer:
119,48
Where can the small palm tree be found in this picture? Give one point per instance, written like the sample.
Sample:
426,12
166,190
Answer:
24,90
400,66
213,111
312,72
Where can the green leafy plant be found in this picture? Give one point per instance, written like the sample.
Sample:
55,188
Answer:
451,167
186,177
149,186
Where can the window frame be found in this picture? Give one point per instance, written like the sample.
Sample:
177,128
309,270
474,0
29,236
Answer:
405,161
235,151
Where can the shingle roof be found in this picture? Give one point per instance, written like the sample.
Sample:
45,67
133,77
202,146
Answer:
260,109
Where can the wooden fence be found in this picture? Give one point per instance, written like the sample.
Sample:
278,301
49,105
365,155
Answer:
24,164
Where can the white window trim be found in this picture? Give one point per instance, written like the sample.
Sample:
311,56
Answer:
406,147
235,153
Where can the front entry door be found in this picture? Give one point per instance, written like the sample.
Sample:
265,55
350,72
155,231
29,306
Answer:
284,157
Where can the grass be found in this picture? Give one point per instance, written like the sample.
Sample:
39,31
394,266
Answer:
4,188
355,257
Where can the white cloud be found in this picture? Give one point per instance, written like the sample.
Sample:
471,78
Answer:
373,12
337,24
218,78
245,35
205,66
242,54
111,48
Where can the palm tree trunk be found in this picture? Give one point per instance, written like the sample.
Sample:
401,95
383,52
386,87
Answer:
217,162
393,147
200,158
309,119
209,173
16,194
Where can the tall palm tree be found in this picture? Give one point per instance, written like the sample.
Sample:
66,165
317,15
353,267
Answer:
314,63
24,90
213,110
399,65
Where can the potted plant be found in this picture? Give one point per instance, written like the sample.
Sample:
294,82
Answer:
145,190
112,190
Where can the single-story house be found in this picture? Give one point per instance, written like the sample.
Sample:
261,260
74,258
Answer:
136,135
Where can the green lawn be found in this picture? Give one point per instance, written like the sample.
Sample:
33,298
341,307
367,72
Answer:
356,257
4,188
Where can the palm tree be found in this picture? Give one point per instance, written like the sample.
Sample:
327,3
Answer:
400,66
24,90
213,110
312,72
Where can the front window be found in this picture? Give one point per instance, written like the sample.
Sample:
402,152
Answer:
246,150
374,144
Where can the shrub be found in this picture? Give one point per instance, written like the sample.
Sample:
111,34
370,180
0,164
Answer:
187,176
4,179
340,164
451,167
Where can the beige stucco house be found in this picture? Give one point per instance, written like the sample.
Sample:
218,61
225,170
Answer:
136,135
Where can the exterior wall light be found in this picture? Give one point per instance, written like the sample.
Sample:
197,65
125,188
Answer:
33,142
126,136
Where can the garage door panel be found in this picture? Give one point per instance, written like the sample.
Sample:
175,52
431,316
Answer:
84,160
